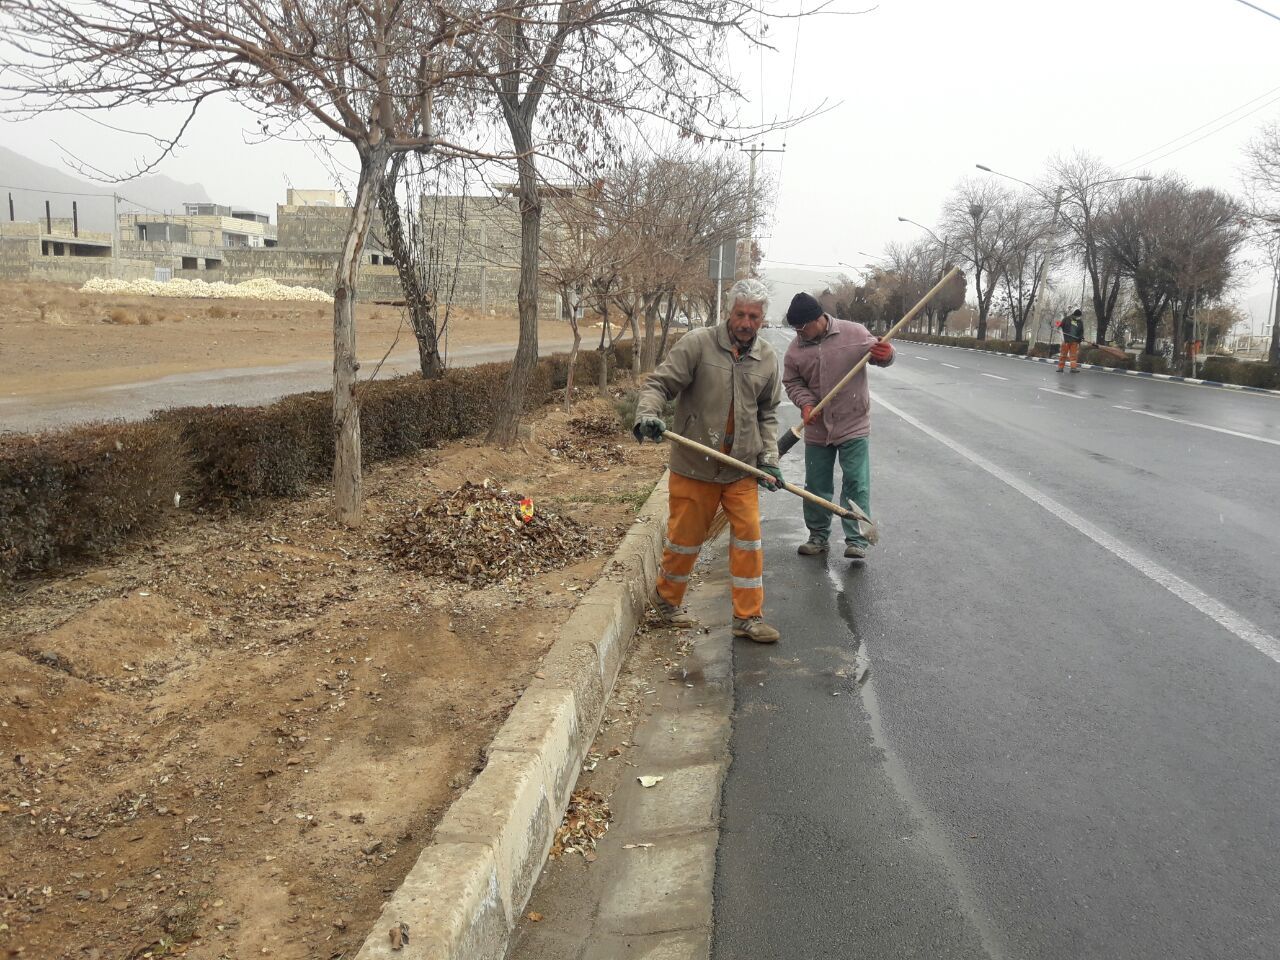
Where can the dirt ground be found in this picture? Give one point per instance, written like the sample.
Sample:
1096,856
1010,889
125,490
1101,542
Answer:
235,740
55,337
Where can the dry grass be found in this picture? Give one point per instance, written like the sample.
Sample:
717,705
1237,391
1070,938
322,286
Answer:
120,317
217,311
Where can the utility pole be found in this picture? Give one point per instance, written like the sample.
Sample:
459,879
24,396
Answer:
754,151
115,235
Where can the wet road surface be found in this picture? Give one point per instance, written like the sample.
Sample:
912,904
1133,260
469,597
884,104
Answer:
1066,744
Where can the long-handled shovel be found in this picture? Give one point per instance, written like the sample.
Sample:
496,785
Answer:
796,433
852,512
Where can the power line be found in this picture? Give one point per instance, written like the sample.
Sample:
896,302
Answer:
1139,157
1206,135
1267,13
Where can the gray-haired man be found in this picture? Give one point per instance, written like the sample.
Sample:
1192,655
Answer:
727,387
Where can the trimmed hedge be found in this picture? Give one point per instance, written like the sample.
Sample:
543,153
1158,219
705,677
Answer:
82,492
76,493
1249,373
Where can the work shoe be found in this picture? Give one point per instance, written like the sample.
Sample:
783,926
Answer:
854,552
812,547
673,616
755,629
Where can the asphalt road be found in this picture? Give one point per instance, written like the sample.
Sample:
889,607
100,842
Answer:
243,386
1067,745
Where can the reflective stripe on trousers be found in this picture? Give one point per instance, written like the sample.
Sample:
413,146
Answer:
693,505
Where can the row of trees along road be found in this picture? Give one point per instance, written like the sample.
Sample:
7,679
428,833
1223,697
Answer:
639,240
1159,246
515,80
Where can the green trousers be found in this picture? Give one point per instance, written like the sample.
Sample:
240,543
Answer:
855,485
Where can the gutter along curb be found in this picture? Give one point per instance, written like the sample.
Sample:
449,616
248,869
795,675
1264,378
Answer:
469,886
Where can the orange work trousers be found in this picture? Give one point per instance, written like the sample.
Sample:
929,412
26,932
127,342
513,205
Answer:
693,505
1070,351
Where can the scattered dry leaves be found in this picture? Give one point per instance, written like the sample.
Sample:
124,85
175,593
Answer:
585,821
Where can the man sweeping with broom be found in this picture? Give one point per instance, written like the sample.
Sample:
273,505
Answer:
824,350
727,387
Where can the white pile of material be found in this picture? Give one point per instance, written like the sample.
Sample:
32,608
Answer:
257,289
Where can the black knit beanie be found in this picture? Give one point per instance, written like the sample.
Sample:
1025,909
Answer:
804,309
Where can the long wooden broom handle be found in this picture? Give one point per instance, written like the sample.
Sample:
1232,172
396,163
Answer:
910,315
853,512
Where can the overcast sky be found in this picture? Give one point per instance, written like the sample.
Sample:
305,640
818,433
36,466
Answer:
925,89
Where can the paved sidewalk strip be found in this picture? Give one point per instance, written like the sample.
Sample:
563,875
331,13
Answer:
648,892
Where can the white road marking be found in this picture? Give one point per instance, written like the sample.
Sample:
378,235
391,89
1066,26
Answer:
951,365
994,377
1205,426
920,358
1062,393
1221,614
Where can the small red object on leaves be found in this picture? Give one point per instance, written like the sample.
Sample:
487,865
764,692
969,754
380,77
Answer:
526,510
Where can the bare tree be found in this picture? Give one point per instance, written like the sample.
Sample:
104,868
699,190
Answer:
576,258
560,72
361,74
1028,230
976,223
1089,188
1176,245
1262,192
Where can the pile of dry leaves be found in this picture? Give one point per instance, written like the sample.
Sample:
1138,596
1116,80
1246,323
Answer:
480,533
585,821
592,439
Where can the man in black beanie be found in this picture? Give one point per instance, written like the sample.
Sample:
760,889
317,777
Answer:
824,350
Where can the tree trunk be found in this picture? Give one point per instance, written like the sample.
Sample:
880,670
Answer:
573,298
606,349
635,342
346,405
649,358
1153,326
1273,353
666,326
506,422
421,309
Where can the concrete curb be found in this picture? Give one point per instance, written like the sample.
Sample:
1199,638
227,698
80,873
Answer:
1094,366
468,887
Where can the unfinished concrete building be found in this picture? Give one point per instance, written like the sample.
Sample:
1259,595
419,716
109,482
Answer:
57,250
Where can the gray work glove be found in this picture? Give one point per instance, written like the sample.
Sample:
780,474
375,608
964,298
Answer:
651,427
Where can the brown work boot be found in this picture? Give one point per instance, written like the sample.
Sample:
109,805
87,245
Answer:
853,551
812,547
673,616
755,629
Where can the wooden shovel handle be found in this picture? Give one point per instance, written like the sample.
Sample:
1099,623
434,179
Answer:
853,511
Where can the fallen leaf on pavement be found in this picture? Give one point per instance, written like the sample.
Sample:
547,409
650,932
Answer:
647,781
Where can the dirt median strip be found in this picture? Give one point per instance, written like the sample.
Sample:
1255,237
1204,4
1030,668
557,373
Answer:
462,897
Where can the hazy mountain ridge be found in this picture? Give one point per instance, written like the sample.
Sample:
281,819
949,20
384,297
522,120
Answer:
31,183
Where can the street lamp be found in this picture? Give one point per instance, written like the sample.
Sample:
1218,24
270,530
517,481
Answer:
1056,200
873,256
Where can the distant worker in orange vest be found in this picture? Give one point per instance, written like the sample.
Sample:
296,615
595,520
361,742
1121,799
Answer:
1072,326
727,386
